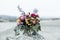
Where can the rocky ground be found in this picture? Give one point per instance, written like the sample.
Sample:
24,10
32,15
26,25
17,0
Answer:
50,31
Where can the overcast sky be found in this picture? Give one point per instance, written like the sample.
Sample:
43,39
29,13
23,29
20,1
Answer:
47,8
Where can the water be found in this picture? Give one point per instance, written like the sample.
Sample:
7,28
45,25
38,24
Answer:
50,30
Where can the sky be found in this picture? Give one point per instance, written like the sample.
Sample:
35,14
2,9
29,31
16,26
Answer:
47,8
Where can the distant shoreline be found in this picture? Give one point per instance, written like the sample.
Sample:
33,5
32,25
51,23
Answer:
6,18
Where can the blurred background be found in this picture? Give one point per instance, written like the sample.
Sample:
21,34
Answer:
49,12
